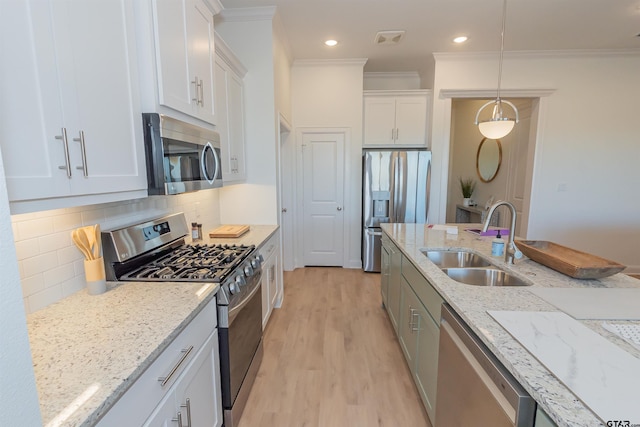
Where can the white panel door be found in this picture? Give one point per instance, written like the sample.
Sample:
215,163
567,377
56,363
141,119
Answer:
520,170
323,184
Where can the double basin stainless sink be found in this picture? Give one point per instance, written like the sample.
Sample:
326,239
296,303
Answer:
471,269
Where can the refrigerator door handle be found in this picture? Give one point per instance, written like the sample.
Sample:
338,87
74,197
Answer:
401,193
392,186
426,193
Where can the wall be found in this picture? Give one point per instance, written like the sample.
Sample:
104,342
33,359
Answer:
329,94
391,81
18,395
465,141
585,171
249,33
50,265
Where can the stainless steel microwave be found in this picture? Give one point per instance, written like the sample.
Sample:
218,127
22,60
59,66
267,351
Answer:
180,157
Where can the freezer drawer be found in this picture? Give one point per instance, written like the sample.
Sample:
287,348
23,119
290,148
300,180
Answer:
371,244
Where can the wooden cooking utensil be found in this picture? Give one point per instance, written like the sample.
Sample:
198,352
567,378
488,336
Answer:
81,241
98,239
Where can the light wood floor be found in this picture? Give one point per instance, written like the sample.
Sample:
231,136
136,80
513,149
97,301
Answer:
331,358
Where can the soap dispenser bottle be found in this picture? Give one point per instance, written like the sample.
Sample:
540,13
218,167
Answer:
497,245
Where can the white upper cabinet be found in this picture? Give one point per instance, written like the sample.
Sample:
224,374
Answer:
393,118
229,97
184,56
70,107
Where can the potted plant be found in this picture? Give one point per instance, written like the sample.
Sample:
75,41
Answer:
467,186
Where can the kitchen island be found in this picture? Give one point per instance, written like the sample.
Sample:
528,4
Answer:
473,302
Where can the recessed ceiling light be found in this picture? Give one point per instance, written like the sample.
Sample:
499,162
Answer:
331,43
460,39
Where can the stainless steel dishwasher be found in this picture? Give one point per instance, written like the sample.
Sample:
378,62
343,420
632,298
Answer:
474,389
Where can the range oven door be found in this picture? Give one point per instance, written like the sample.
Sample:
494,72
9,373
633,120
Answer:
180,157
239,343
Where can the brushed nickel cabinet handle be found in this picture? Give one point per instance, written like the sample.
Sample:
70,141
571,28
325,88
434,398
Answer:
197,90
188,406
201,101
178,419
83,149
165,380
65,145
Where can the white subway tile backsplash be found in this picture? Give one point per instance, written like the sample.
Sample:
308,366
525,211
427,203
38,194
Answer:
58,275
44,298
27,249
34,228
50,265
69,254
32,285
55,241
71,286
39,263
67,221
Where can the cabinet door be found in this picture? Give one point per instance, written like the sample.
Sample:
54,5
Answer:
236,126
165,414
384,276
272,275
198,391
106,141
426,374
200,50
265,300
175,84
395,281
411,120
379,120
409,325
222,116
30,104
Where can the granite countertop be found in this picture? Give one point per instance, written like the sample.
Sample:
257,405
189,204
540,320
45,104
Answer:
472,303
88,350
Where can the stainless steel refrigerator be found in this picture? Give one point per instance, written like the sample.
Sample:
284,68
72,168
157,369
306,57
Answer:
395,189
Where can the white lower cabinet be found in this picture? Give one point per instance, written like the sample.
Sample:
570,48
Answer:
271,277
184,378
194,401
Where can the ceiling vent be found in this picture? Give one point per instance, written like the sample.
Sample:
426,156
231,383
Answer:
385,38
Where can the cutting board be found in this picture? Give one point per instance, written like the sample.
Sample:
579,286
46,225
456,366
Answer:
594,303
229,231
601,374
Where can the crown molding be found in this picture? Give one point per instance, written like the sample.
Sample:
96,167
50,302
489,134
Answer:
391,74
329,62
265,13
227,55
576,53
491,93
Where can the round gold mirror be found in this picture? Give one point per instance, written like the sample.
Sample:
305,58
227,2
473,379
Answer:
488,159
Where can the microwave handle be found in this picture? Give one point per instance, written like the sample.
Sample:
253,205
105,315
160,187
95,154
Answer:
216,162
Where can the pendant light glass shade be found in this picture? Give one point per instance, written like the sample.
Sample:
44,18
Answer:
498,126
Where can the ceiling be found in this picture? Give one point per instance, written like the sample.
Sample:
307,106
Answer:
430,25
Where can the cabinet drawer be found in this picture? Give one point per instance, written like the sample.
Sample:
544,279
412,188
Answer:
426,293
145,393
269,247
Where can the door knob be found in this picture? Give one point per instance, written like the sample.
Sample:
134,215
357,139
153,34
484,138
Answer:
339,208
284,210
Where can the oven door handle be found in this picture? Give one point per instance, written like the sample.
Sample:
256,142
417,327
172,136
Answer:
234,311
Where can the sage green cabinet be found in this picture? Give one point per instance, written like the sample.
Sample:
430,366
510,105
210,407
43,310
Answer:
394,283
409,327
543,420
385,267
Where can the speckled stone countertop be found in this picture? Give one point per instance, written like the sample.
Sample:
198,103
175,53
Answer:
101,344
472,303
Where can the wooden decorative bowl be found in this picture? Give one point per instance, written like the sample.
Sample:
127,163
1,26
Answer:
573,263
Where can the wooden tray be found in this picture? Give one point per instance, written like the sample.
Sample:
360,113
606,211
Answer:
574,263
229,231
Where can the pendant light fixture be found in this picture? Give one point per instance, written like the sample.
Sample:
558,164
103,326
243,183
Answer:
498,125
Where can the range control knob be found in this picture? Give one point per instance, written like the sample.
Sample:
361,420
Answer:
240,281
255,263
234,288
248,271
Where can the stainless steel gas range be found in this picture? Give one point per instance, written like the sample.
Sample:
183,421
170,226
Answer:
156,250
